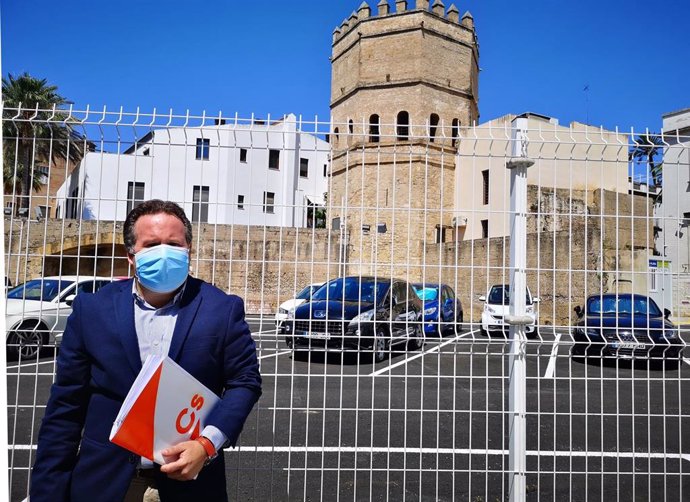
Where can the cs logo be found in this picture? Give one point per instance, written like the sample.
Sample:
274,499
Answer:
186,419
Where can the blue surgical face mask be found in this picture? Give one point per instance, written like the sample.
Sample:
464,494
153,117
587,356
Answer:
162,268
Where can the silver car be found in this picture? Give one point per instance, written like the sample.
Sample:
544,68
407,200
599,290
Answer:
36,312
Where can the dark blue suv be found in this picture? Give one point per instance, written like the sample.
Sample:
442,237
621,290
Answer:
360,314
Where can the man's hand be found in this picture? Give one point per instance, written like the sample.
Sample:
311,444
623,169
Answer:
184,460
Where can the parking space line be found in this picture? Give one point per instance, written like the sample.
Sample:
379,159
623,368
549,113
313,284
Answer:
686,360
440,451
275,354
23,365
551,367
421,354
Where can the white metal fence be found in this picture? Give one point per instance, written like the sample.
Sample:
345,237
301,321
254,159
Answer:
454,389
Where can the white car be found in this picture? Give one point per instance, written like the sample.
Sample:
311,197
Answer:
497,306
36,312
290,305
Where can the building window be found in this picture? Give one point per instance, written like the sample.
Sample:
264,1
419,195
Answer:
72,209
403,126
485,229
653,288
433,126
135,194
303,168
455,132
44,211
243,155
325,170
274,159
203,146
485,189
374,129
269,202
240,202
200,204
440,234
336,133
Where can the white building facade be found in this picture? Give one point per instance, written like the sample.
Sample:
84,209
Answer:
673,213
255,174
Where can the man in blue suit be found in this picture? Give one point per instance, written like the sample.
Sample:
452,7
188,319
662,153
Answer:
162,310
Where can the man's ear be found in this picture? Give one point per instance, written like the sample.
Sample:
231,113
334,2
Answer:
130,259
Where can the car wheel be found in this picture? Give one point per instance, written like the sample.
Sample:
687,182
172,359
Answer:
26,341
534,334
416,342
380,346
578,351
482,331
458,323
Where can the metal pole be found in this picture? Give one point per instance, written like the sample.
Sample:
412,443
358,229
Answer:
517,318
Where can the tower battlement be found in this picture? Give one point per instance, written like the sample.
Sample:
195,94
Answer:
383,9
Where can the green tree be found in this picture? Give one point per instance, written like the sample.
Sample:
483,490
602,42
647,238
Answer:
33,134
648,148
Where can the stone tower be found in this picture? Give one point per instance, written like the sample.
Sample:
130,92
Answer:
403,84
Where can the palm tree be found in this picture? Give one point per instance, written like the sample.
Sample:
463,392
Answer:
647,147
32,133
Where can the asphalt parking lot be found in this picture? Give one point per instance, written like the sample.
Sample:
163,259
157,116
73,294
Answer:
433,424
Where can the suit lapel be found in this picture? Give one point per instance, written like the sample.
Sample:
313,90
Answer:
191,299
124,310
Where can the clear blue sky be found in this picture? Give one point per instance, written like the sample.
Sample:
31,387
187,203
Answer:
272,56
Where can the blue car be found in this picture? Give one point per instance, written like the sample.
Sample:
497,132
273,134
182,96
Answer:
625,326
442,309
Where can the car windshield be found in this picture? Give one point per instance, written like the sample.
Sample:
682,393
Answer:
352,289
623,305
500,295
40,289
306,293
426,293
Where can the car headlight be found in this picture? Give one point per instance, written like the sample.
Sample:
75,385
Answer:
290,314
364,316
490,310
430,310
593,333
671,334
283,311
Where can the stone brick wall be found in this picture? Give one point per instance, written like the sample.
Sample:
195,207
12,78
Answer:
264,265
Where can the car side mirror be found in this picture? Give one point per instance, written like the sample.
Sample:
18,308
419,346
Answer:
70,300
482,298
578,311
536,299
667,313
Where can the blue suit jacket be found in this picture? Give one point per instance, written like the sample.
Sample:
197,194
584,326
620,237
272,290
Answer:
98,362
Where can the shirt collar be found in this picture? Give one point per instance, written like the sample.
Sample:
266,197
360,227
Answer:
141,301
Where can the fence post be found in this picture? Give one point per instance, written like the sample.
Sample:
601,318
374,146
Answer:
517,319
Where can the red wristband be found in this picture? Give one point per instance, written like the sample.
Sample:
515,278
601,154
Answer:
208,446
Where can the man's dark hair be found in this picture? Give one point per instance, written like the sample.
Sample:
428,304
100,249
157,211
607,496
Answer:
154,206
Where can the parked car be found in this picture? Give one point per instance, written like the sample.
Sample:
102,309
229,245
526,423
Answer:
358,314
442,309
290,305
497,307
36,312
625,326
